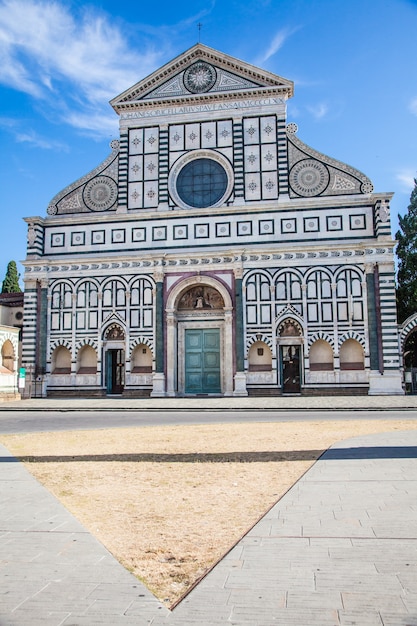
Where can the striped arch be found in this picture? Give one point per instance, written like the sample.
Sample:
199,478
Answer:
57,343
253,272
353,268
147,277
109,279
320,335
319,268
147,341
86,342
406,329
351,334
14,340
85,279
61,281
259,337
287,270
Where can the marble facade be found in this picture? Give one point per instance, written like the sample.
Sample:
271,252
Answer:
212,252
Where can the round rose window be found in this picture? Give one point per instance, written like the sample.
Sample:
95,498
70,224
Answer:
201,183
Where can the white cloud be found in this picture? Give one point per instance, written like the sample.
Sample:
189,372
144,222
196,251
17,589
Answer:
80,60
406,178
28,135
318,111
413,106
277,43
31,137
103,125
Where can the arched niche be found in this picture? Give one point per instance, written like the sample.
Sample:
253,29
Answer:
321,356
141,359
87,360
61,360
260,357
351,355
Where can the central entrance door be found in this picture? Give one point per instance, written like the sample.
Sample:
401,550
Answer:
202,360
115,371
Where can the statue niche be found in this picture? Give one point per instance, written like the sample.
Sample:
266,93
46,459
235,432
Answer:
200,298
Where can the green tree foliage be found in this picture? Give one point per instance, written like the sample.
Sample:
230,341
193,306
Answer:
11,280
407,260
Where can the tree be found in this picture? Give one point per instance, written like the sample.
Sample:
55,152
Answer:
11,281
407,260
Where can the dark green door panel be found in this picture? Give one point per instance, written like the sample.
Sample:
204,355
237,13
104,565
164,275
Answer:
202,360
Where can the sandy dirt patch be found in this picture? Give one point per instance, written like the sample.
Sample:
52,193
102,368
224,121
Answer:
168,502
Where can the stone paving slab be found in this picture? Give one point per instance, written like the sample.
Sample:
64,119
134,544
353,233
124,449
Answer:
339,549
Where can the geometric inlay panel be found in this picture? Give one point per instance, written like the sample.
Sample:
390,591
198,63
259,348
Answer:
159,233
357,222
57,240
288,226
78,239
244,228
334,222
223,230
98,236
201,231
266,227
311,225
138,234
181,232
118,235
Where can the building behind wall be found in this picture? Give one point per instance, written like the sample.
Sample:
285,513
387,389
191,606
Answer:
11,322
212,252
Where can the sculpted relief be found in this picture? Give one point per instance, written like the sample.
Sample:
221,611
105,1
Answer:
201,297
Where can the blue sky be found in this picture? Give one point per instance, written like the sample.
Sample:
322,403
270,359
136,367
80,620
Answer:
354,65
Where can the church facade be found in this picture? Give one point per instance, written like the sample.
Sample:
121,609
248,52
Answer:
212,253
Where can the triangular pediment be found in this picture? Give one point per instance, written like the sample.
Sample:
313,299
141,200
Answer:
201,73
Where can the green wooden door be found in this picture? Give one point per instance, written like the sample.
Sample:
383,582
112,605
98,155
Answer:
115,371
202,361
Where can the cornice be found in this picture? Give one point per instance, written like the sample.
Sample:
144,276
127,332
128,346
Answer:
248,258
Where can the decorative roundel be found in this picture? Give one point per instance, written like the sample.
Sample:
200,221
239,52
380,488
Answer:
100,193
200,77
367,187
115,144
52,209
292,128
309,178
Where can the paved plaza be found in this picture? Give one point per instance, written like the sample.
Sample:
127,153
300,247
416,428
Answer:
340,548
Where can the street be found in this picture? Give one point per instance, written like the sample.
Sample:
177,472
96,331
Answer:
16,421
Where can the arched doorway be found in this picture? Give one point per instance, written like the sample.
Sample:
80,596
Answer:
114,359
290,340
408,350
199,338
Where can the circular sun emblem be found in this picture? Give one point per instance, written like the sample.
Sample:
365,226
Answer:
200,77
100,193
309,178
